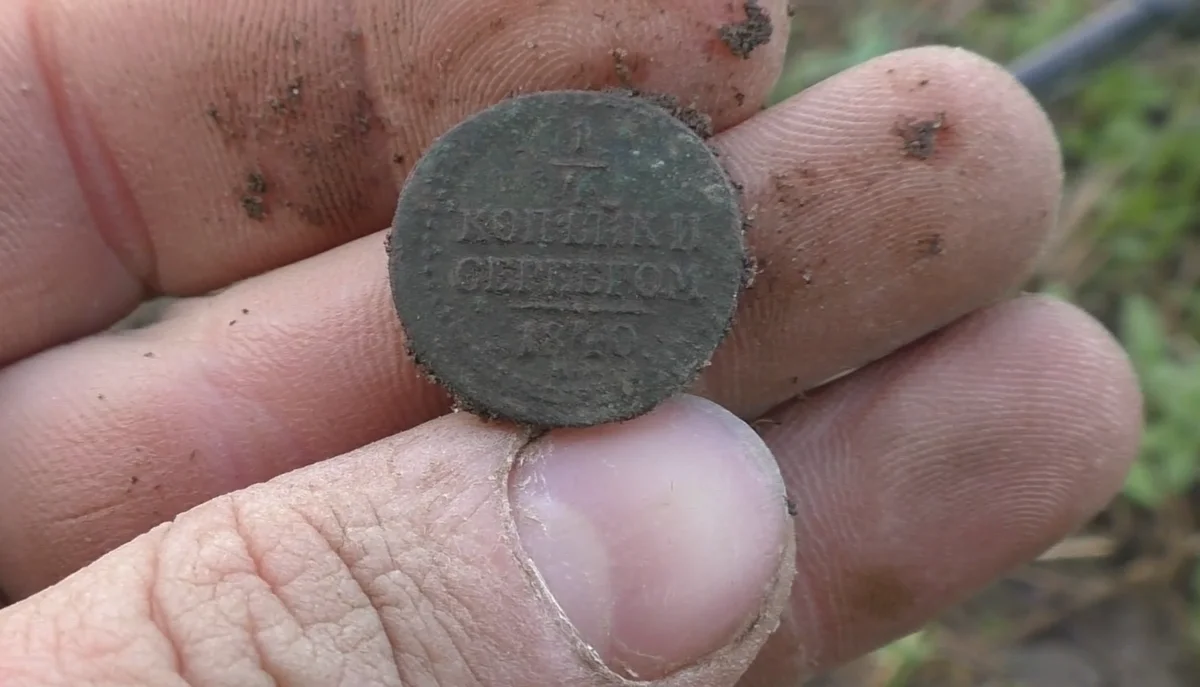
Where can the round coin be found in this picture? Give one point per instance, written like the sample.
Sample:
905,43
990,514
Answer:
566,259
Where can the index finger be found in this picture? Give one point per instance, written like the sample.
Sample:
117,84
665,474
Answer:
176,147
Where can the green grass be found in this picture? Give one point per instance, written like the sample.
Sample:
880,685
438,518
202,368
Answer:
1131,142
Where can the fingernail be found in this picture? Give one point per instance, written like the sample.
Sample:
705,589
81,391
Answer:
658,538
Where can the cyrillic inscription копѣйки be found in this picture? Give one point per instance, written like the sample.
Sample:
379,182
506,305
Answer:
661,270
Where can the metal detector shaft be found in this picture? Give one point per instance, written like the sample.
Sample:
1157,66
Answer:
1097,41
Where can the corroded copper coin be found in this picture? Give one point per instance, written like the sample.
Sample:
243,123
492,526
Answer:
567,259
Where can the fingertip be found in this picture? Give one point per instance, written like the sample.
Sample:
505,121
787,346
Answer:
662,539
1045,372
946,110
1100,389
1007,131
910,190
925,476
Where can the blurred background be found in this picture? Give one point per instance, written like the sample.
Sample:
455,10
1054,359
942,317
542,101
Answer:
1117,605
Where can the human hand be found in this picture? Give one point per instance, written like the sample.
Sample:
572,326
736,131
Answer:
341,527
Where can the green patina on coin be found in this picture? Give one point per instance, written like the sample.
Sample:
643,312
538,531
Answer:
567,259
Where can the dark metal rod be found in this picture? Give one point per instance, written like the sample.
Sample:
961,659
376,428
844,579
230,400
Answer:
1110,33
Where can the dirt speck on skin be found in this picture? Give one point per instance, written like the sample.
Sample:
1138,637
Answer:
920,136
221,122
252,200
290,98
744,36
254,207
791,193
365,118
931,245
792,509
256,183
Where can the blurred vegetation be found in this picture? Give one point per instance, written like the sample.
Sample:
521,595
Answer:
1131,143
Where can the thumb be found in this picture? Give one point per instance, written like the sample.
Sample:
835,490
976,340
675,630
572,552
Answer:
458,553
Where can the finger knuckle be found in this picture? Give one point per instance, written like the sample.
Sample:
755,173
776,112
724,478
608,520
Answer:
304,592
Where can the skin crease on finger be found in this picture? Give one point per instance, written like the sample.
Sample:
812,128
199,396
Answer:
167,147
397,564
921,479
220,395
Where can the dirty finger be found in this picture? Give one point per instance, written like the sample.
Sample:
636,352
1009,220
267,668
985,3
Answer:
167,147
887,201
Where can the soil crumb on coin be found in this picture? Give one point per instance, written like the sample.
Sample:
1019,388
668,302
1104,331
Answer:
744,36
920,136
752,267
695,120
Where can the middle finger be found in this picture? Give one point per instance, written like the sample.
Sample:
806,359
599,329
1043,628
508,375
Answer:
863,244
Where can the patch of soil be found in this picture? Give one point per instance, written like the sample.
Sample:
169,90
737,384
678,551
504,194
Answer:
254,207
920,136
252,200
744,36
